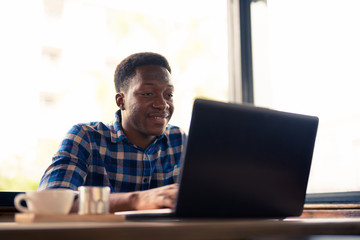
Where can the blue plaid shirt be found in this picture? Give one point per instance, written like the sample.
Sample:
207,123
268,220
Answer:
98,154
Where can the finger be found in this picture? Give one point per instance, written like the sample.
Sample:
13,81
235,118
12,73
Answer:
172,186
170,193
167,202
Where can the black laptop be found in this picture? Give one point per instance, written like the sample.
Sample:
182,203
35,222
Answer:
243,161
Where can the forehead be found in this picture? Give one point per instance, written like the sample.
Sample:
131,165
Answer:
152,74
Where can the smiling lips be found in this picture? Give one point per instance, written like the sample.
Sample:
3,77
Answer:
159,117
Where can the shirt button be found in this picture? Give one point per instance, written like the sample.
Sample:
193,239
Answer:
145,180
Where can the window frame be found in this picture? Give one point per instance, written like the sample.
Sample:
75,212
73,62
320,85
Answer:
240,52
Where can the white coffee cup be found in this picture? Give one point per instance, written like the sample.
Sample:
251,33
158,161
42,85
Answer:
51,201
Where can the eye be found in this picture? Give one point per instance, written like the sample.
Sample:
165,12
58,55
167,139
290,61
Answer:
169,95
147,94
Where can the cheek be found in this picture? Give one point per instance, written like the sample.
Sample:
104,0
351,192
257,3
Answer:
133,108
171,107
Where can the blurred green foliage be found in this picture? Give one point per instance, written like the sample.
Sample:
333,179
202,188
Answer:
17,184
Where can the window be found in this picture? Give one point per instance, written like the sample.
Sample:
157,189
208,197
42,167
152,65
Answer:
58,59
306,60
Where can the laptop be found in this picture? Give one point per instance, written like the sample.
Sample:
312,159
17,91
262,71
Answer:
7,202
242,161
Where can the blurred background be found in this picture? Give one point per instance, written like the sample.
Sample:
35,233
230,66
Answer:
58,59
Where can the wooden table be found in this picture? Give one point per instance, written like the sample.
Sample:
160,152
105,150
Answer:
194,229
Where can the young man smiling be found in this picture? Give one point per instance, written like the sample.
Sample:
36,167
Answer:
138,154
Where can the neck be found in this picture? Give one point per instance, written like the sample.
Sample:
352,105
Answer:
143,143
139,139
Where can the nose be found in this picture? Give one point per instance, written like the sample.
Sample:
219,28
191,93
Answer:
160,103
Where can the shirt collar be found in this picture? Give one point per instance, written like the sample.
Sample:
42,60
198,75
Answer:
118,135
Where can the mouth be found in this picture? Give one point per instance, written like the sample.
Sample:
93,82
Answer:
160,118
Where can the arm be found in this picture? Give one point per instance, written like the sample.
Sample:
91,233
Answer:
161,197
69,165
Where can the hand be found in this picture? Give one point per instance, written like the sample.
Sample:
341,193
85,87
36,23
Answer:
161,197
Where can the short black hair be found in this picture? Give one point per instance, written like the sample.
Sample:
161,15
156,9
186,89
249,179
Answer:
126,69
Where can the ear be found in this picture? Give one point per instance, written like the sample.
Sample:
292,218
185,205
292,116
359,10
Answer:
120,100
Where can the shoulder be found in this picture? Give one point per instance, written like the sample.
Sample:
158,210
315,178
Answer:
175,134
88,129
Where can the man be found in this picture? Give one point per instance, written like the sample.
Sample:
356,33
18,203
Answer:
138,154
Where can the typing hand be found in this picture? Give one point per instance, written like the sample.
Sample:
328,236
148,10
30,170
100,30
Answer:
162,197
